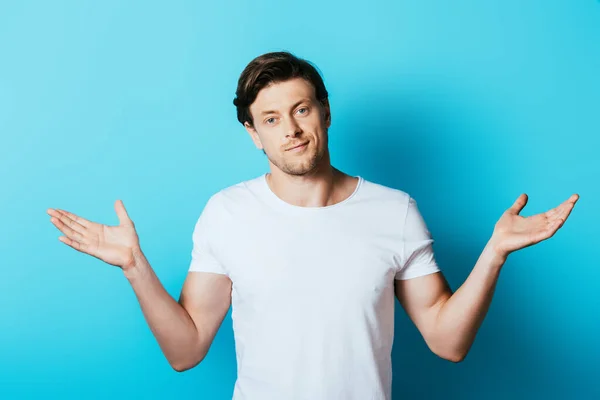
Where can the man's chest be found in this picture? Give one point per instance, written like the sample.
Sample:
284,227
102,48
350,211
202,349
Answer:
309,261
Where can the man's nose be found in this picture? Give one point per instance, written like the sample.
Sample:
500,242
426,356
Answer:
293,128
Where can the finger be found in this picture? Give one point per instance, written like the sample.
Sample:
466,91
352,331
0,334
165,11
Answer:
519,204
60,215
61,226
72,223
547,231
81,221
566,211
74,244
564,208
555,226
569,203
69,218
122,213
551,214
573,199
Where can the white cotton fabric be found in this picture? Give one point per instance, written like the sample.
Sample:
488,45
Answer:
313,287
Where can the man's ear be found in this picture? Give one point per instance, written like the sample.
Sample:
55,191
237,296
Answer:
327,112
253,135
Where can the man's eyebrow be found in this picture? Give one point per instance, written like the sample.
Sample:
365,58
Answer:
294,106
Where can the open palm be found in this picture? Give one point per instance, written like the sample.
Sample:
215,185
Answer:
114,245
513,232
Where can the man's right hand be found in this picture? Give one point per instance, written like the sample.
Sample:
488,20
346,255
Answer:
184,330
115,245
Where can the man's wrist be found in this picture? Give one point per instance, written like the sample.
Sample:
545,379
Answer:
137,266
494,257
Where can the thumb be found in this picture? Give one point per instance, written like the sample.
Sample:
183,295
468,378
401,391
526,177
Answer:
519,204
122,213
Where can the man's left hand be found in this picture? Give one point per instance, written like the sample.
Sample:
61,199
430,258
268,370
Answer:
514,232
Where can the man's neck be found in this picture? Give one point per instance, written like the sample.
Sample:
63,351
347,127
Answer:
325,187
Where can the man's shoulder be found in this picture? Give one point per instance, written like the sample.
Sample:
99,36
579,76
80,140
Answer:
378,191
237,193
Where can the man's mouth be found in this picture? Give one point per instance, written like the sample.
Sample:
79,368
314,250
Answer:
298,146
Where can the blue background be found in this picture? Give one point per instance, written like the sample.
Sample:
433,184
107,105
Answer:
463,104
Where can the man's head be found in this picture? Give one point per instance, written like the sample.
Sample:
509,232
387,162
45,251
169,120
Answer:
282,102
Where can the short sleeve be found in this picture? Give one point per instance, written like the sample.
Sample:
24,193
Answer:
203,252
418,258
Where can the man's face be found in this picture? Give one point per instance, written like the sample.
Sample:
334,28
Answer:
286,115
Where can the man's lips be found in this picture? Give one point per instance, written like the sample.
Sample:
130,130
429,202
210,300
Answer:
298,145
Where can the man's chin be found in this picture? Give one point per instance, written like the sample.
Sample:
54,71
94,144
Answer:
299,168
297,171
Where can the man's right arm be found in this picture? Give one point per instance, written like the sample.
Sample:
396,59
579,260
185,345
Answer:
185,329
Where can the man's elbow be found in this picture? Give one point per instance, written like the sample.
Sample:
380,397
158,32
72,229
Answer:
451,355
180,367
184,366
456,358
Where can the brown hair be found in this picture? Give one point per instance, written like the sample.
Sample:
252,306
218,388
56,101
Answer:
271,68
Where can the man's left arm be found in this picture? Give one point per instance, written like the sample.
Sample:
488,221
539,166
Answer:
449,321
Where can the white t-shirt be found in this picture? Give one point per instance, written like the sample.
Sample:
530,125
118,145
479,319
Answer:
313,287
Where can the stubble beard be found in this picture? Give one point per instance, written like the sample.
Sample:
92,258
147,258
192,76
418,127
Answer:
300,167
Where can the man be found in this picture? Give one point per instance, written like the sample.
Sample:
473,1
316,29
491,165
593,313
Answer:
309,257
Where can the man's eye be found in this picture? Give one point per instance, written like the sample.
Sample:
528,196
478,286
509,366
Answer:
270,120
303,109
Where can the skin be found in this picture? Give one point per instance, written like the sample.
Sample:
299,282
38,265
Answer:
286,114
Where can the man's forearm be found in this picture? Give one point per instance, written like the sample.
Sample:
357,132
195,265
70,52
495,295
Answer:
460,317
171,324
